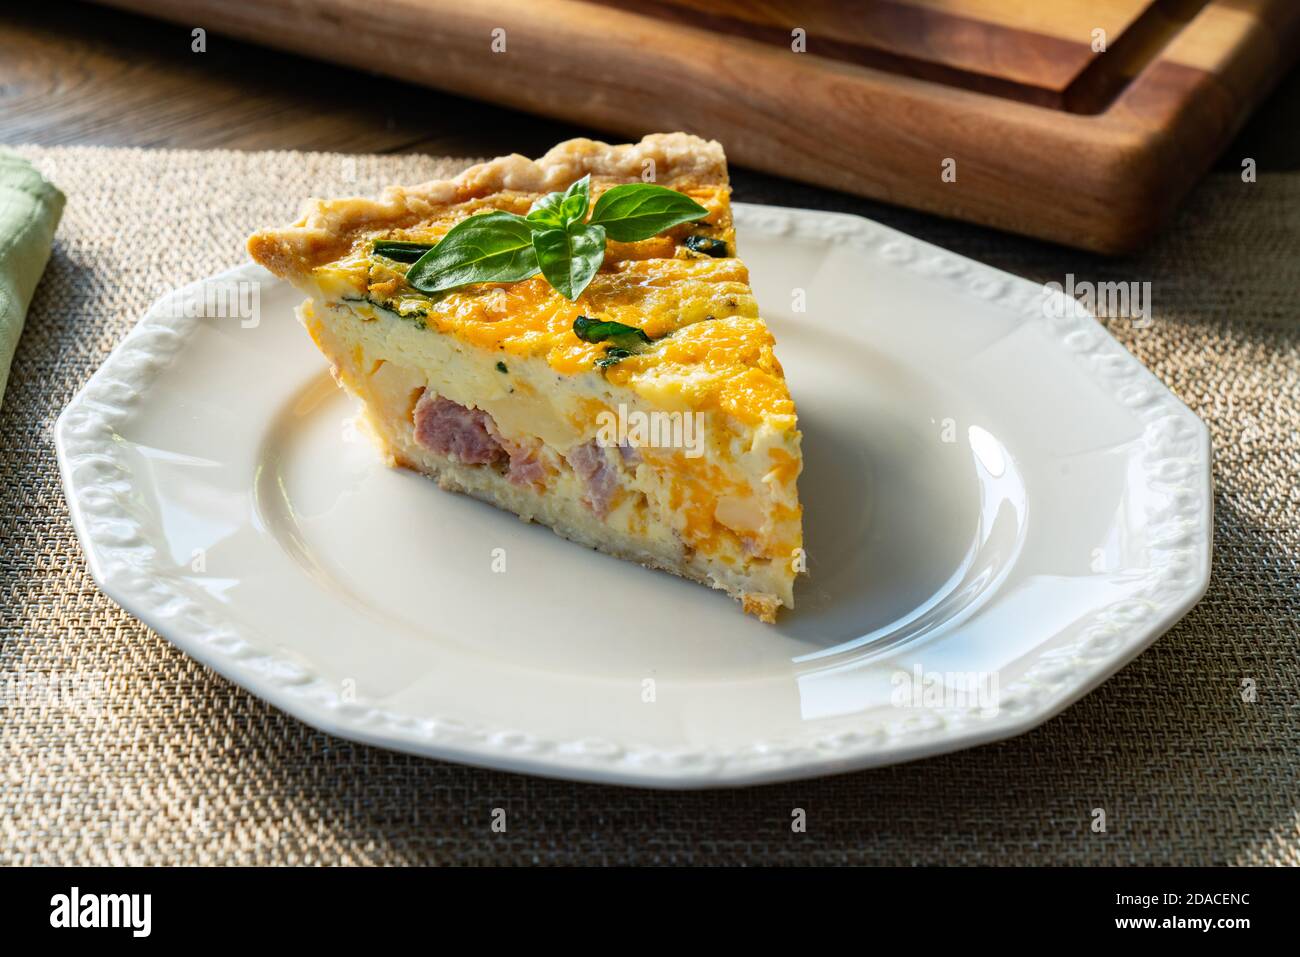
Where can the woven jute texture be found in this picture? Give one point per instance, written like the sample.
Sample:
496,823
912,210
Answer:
116,748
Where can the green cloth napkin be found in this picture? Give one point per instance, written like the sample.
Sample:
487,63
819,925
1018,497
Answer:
29,211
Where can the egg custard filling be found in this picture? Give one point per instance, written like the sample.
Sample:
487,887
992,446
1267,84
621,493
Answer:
637,408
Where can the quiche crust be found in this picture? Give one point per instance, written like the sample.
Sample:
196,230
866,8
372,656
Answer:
326,229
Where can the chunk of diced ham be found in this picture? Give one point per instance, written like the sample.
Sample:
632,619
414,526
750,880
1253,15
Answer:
470,436
601,478
526,469
449,428
526,466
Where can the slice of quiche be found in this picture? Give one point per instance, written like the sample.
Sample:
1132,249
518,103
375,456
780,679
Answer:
647,417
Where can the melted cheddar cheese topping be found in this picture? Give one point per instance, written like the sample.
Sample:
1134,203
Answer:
710,351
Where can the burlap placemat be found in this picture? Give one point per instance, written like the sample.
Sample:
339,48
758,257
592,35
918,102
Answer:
115,748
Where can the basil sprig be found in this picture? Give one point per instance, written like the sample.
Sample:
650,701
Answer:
556,238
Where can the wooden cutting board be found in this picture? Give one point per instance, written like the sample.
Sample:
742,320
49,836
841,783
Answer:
1079,121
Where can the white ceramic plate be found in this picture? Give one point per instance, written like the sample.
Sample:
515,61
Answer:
1002,509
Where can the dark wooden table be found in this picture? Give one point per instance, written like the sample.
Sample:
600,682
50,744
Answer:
72,73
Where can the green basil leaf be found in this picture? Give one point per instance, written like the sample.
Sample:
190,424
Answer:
401,252
545,213
596,330
612,357
489,247
569,257
622,340
708,246
558,210
573,208
636,211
